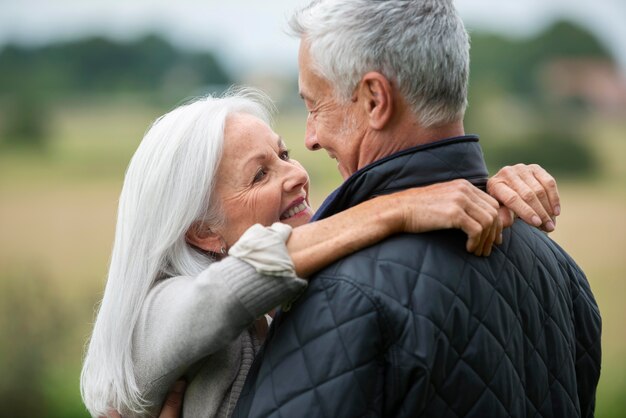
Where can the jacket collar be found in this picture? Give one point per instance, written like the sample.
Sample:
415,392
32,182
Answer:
435,162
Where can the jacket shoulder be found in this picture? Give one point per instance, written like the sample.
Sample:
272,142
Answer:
436,253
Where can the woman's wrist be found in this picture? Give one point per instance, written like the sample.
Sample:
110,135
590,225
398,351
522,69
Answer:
393,213
265,249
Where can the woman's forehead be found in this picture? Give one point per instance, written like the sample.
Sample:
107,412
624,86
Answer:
243,131
248,141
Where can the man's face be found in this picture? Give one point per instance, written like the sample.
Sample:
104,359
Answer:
331,124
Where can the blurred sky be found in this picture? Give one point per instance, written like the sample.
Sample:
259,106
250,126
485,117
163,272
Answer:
249,34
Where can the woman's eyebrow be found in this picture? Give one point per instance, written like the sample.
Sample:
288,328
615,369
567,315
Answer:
256,158
261,156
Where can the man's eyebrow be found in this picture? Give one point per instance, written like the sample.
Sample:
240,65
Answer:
281,142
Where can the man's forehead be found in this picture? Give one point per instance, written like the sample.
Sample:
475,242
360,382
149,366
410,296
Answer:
303,88
303,93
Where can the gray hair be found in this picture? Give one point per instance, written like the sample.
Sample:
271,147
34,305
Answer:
421,45
167,188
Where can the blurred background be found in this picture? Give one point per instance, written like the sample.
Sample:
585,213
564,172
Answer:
80,82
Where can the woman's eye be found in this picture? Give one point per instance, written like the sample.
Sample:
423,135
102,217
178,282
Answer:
284,155
259,176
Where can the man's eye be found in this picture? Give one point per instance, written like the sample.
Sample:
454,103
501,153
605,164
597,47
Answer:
284,155
259,176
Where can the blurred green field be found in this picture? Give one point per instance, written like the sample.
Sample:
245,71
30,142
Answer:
57,216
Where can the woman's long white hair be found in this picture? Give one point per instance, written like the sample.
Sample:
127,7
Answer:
167,188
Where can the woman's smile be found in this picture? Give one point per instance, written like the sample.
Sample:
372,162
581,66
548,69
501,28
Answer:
299,207
257,180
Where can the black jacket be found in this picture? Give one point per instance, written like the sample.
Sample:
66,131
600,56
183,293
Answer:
416,326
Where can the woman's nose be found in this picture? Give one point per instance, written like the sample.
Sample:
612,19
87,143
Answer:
296,176
310,135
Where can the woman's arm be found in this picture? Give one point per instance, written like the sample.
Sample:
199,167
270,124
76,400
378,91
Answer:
454,204
185,319
528,191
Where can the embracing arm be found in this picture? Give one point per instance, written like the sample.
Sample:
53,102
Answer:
528,191
455,204
185,319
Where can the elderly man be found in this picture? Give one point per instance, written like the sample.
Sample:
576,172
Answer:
416,326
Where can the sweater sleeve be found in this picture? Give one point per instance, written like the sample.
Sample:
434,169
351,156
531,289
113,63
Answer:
185,319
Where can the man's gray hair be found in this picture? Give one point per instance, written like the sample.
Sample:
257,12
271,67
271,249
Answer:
420,45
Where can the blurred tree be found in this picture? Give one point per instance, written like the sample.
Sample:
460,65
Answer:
509,104
99,65
512,63
26,125
32,323
562,154
566,39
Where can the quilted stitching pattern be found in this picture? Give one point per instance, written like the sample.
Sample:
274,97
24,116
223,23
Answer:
435,332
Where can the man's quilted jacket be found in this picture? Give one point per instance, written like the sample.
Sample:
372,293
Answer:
417,327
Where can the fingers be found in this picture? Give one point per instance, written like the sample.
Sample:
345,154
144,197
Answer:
537,198
506,215
490,223
480,238
529,191
459,204
549,184
473,230
522,201
174,401
171,407
480,221
494,236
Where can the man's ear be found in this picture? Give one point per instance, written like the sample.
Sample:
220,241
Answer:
201,236
376,94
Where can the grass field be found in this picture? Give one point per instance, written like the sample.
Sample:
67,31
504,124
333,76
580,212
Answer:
57,215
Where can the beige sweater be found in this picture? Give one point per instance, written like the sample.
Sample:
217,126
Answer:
200,328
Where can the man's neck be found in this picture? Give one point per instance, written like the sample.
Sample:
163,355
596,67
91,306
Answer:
381,144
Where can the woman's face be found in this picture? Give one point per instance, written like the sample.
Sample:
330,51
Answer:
257,182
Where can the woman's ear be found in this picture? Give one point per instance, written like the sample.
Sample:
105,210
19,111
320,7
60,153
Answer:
201,236
377,95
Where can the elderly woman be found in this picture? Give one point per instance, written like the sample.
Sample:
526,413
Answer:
212,234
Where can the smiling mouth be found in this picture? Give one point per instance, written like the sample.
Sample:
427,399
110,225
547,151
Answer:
294,210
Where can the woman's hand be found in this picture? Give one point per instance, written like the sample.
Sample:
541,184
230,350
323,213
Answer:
172,406
454,204
529,192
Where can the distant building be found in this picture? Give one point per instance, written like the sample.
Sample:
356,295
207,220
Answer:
597,82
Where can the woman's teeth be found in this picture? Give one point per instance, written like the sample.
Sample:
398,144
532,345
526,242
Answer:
294,210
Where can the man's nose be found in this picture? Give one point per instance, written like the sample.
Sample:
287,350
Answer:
310,135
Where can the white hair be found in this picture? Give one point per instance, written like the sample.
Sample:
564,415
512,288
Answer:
167,188
421,45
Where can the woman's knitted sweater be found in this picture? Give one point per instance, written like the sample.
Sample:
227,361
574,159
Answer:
202,328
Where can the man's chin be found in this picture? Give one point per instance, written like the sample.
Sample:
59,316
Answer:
345,173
